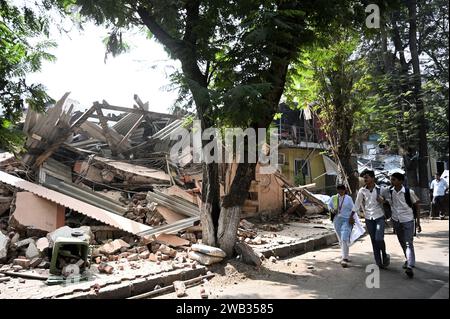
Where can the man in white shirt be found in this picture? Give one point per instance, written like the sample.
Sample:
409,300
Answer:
369,199
438,188
403,202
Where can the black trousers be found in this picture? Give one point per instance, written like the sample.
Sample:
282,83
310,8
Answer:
437,206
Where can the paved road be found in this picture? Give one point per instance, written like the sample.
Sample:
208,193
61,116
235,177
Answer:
319,275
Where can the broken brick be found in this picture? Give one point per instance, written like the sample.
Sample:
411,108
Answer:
180,288
144,255
113,247
35,262
133,257
22,262
105,268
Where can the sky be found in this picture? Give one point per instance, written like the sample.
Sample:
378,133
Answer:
80,69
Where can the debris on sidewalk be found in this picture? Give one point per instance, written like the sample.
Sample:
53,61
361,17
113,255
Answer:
96,192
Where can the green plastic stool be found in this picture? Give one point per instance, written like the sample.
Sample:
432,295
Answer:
69,247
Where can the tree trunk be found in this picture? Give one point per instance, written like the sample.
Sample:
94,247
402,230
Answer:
420,111
231,207
407,144
345,158
210,208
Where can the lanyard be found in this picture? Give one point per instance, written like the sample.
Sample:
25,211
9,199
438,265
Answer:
341,203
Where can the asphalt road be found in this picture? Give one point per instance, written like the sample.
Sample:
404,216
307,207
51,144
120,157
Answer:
318,274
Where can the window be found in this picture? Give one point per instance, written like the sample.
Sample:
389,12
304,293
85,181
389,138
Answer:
301,167
281,159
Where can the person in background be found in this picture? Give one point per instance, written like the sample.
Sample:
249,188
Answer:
342,206
370,200
438,187
403,200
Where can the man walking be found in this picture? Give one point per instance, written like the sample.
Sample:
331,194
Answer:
403,202
438,188
370,199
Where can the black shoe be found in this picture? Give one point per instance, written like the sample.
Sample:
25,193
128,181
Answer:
409,272
386,261
405,265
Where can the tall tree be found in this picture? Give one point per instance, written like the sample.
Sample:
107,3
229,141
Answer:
408,59
333,80
19,56
234,58
417,85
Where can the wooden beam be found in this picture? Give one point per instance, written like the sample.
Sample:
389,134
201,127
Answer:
62,138
105,128
132,129
107,106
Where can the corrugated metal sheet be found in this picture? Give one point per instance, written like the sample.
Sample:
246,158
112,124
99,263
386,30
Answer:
171,228
84,208
85,195
56,169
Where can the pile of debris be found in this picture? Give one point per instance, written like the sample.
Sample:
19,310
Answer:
105,183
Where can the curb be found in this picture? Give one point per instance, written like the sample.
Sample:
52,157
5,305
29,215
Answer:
301,247
140,285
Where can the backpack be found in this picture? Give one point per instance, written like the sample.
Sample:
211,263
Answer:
386,207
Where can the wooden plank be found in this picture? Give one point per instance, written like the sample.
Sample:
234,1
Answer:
106,130
63,137
177,191
107,106
133,128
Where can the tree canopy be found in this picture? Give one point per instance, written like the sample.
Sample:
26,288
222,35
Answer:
21,52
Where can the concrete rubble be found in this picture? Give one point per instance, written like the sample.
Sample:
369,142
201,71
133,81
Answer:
100,194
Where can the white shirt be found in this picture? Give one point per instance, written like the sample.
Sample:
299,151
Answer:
344,203
367,200
439,187
401,212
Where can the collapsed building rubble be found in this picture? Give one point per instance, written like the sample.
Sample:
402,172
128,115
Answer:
89,194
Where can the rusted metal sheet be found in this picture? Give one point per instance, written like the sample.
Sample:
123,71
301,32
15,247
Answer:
84,208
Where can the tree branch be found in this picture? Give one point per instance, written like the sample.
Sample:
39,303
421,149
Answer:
174,45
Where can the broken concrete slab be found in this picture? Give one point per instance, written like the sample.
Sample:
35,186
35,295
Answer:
23,243
36,212
32,251
4,242
42,244
133,174
204,259
172,240
209,250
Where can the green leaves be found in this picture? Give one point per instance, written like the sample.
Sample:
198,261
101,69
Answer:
17,58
